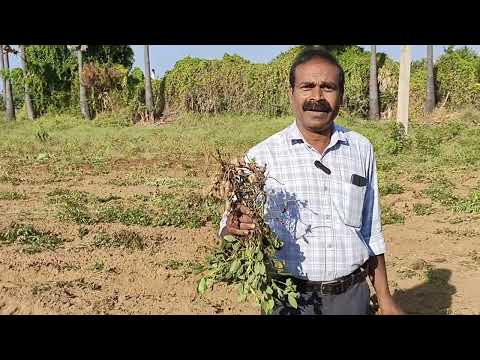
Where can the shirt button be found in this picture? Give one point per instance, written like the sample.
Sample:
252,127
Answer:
325,188
327,217
330,245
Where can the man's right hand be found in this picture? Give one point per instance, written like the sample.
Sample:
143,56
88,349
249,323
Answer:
239,222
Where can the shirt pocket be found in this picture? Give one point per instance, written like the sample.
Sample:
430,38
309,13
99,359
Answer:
349,203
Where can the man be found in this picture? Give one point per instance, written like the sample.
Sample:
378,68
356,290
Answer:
322,199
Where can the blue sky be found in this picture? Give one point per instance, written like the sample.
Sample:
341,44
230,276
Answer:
164,57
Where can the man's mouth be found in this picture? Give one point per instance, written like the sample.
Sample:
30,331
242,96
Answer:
321,106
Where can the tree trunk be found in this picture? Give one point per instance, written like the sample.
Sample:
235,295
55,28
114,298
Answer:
4,81
83,91
148,81
28,99
430,101
10,108
374,112
404,86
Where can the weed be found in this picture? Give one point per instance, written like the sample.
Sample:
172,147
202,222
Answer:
33,240
135,216
98,266
423,209
390,216
82,232
124,239
441,191
391,188
11,195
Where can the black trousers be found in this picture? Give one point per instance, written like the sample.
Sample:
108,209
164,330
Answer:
354,301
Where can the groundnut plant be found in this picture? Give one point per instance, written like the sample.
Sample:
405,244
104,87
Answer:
249,261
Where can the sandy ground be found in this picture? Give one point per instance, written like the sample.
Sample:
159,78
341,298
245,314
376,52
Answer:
81,278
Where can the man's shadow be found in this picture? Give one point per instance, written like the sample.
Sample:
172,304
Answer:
434,297
284,217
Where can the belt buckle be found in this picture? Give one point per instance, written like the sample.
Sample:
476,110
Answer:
322,292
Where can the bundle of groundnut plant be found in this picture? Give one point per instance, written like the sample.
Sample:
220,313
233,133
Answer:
249,261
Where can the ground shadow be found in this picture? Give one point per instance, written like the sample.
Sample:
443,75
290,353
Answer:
434,297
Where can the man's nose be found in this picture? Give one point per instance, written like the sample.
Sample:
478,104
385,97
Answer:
317,93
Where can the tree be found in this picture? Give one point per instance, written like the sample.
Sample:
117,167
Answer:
148,81
4,81
10,107
79,49
28,99
430,101
374,112
404,86
110,54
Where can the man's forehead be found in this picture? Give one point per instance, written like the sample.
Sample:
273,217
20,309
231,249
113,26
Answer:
318,68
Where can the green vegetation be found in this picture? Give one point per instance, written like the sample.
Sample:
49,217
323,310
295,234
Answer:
390,188
12,195
125,239
31,239
390,216
423,209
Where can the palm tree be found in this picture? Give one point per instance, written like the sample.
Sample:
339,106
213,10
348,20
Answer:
4,81
374,113
28,99
430,101
148,81
10,108
78,49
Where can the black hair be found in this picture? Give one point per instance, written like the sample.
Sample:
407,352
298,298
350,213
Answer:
308,54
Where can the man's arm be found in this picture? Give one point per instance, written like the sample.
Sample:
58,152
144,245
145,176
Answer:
373,236
378,277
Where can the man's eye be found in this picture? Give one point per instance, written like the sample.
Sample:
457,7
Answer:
328,88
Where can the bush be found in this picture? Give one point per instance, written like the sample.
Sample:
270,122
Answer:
458,77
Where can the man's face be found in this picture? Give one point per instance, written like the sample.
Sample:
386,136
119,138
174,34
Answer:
316,96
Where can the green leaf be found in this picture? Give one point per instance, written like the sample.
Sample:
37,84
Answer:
208,283
269,290
259,256
289,282
262,269
229,238
258,268
292,300
235,266
202,286
270,305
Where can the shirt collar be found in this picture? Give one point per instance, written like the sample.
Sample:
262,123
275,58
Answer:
294,136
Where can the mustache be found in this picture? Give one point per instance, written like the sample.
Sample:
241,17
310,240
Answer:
319,106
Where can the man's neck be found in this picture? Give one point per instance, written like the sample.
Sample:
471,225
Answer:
319,140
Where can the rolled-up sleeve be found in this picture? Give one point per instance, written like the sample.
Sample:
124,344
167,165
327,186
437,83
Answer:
372,223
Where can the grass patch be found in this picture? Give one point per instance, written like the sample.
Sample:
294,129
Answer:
468,205
12,195
133,216
441,191
391,188
124,239
171,183
423,209
390,216
32,239
186,211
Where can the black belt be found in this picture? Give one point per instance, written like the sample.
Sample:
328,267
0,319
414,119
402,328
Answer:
333,287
